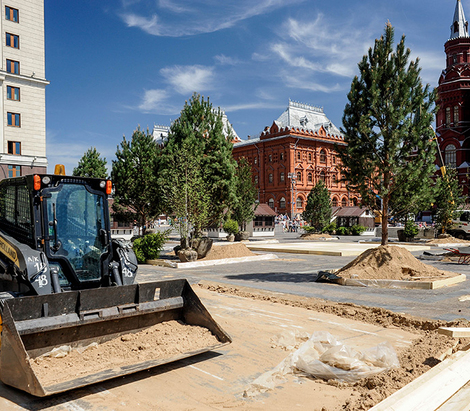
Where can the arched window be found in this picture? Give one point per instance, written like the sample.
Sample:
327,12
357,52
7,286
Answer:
334,181
256,179
309,156
299,176
344,202
355,201
299,202
334,202
448,116
271,203
450,156
298,155
322,176
256,160
322,156
270,158
270,177
281,177
281,156
282,203
310,178
456,115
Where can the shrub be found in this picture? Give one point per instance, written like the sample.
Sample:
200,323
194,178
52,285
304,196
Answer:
357,229
149,246
230,226
343,231
309,229
411,229
329,228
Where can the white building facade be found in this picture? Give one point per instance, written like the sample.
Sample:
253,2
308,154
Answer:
23,88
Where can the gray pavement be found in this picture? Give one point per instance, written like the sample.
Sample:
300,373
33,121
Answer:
296,274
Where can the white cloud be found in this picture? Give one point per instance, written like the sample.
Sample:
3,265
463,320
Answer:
205,16
261,105
189,79
226,60
152,99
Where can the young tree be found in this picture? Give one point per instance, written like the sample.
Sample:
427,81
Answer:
135,181
318,208
448,199
245,193
91,165
387,128
199,131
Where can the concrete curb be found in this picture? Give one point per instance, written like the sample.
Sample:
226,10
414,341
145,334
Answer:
195,264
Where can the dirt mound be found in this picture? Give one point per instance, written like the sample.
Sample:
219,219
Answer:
307,236
160,341
234,250
390,263
447,240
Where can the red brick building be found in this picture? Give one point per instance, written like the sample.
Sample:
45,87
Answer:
453,116
292,155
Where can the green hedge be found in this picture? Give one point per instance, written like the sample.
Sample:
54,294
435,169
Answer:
149,246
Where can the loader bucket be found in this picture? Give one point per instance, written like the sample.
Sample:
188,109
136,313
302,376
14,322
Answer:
122,330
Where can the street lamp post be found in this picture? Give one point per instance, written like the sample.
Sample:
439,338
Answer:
293,180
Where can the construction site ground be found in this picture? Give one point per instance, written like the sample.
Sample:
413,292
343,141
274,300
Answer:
217,380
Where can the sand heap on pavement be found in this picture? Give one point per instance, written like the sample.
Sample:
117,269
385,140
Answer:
391,263
228,251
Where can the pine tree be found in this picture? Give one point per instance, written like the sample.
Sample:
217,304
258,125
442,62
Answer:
387,126
199,131
447,201
135,179
318,208
91,165
246,194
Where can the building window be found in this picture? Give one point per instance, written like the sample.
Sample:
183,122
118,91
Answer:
270,158
309,178
450,156
344,202
14,147
281,177
13,66
12,40
322,156
12,14
309,156
333,158
282,202
256,179
298,155
14,119
13,93
270,177
299,176
334,202
322,176
256,160
299,202
448,116
14,171
333,179
281,156
271,203
456,115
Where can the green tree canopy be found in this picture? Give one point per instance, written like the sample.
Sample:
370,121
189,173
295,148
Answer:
91,165
134,178
318,208
198,133
387,128
245,194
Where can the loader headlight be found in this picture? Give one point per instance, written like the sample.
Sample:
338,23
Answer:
102,184
46,180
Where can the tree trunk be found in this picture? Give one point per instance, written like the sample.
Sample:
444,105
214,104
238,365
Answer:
384,221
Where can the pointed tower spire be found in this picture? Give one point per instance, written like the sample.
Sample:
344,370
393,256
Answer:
459,27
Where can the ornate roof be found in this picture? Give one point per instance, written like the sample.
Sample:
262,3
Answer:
306,117
459,27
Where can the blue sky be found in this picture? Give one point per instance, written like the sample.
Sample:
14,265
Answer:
117,64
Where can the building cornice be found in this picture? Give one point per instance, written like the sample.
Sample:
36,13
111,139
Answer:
22,160
4,75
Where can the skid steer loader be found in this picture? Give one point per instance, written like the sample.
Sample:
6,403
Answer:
65,283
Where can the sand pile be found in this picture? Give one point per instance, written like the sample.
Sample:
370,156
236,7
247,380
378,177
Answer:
234,250
307,236
161,341
447,240
391,263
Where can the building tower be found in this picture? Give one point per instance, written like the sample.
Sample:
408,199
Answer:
22,86
453,100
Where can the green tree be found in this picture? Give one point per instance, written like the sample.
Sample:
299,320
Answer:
135,181
318,208
198,133
246,193
91,165
448,199
387,128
